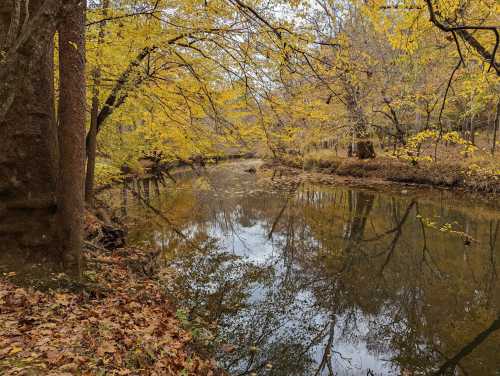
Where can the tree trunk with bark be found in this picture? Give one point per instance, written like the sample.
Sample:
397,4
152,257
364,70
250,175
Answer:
496,126
91,139
91,150
362,147
71,132
28,141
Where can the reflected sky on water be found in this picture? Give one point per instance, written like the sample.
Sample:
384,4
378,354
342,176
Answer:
287,278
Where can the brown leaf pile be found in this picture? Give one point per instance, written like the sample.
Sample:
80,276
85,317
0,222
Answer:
125,327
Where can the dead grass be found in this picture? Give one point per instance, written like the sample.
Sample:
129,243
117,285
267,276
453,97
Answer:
476,173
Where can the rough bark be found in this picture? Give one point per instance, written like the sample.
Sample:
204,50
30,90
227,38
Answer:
28,142
362,148
496,126
91,150
71,132
27,44
365,149
91,139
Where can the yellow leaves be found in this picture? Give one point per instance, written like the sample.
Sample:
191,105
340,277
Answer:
73,44
295,3
421,137
230,84
14,350
447,8
106,173
454,138
443,228
475,170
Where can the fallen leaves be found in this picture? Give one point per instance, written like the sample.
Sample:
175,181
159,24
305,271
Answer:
124,327
106,347
15,350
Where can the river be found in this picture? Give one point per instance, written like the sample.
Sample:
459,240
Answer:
275,277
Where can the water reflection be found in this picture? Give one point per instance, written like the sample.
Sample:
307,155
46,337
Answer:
290,279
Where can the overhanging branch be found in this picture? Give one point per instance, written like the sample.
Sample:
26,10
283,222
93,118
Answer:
464,32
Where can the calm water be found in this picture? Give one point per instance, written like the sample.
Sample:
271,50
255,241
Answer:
279,278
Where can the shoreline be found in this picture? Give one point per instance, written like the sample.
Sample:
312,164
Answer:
384,172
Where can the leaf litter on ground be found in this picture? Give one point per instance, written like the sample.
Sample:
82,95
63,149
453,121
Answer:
123,325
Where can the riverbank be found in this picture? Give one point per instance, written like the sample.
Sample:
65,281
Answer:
117,320
385,170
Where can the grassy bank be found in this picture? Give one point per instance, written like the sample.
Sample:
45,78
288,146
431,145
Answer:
478,176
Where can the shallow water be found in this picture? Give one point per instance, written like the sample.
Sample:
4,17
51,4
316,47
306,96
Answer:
279,278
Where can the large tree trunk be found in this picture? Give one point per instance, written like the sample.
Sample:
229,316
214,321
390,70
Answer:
28,146
23,41
365,149
362,147
71,132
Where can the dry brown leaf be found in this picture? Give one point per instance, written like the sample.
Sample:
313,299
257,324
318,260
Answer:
106,347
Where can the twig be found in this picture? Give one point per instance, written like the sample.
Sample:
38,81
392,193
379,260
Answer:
460,62
96,247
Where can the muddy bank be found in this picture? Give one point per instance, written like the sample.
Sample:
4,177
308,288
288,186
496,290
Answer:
388,171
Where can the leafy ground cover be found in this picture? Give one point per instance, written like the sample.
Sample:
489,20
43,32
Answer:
117,323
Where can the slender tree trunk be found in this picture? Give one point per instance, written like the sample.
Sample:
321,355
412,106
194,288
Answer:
156,186
91,149
71,132
495,129
124,199
472,131
91,139
145,184
28,147
138,188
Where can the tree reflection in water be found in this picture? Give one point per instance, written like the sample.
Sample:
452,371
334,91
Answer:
316,280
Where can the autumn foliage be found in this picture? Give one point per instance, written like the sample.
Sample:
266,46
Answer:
122,326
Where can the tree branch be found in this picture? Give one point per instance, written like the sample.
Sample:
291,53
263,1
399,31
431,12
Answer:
468,37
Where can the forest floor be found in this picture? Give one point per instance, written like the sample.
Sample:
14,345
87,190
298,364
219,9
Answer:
451,173
117,322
